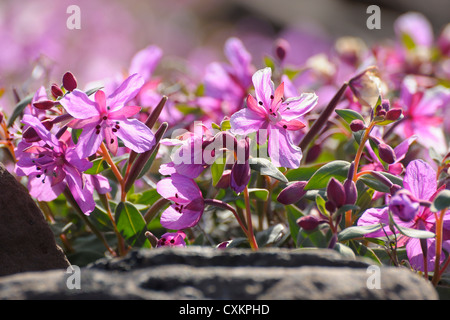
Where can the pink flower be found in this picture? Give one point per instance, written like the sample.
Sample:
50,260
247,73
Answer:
107,118
51,164
172,239
420,184
187,202
422,109
279,116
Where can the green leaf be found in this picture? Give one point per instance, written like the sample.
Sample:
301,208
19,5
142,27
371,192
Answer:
344,250
259,194
93,90
217,169
270,235
225,125
98,165
377,185
349,115
320,203
148,197
387,122
337,169
408,41
412,233
18,109
357,232
293,213
303,173
131,225
266,168
307,239
441,201
363,251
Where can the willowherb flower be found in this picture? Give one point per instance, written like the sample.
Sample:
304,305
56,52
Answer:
108,118
270,111
419,185
187,202
172,239
51,164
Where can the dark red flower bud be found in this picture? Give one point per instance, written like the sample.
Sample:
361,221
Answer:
336,193
224,181
330,206
394,188
56,91
240,176
357,125
313,153
44,104
308,222
386,153
69,81
394,114
30,135
292,193
281,49
351,193
385,104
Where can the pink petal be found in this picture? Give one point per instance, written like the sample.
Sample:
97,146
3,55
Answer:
135,135
246,121
172,219
297,107
145,61
178,188
79,106
282,151
374,216
125,92
89,141
125,112
264,87
420,179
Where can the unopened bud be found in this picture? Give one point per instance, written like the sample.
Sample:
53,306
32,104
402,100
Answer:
403,206
385,104
30,135
56,91
224,181
308,222
357,125
366,87
351,193
292,193
336,193
386,153
240,176
44,104
394,114
69,81
313,153
394,189
330,206
282,48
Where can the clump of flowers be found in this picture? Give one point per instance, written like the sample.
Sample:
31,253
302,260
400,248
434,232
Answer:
229,159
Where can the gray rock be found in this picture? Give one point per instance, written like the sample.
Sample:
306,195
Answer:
26,241
204,273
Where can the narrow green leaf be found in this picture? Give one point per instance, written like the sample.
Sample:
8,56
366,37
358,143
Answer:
357,232
337,169
293,213
320,203
266,168
217,169
98,165
18,109
349,115
131,224
441,201
303,173
259,194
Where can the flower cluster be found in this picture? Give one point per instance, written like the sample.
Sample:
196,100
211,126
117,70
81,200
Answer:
347,151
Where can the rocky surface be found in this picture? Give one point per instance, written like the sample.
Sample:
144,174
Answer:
203,273
26,241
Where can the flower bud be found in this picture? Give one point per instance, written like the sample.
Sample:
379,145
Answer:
281,49
330,206
308,222
357,125
44,104
224,181
313,153
366,87
351,193
336,193
292,193
69,81
30,135
240,176
385,104
394,114
56,91
403,206
394,189
386,153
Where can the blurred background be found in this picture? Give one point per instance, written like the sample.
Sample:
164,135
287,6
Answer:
37,47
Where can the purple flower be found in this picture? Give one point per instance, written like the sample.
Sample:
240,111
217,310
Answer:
279,116
51,164
420,184
108,118
187,202
422,110
240,172
172,239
